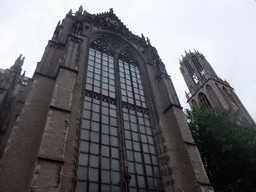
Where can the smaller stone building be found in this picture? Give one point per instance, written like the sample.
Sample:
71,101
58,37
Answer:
13,92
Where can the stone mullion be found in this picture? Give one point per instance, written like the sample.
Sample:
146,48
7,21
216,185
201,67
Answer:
122,148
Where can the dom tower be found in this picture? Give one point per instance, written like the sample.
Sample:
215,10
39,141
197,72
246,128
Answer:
101,114
206,87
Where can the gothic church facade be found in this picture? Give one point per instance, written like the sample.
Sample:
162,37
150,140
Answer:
99,114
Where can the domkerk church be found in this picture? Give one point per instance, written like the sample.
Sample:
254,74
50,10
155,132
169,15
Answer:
101,114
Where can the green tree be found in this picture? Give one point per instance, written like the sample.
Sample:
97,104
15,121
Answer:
227,148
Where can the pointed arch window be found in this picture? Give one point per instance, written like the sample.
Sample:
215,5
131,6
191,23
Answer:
116,131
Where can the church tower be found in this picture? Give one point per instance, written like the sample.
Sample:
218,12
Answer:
101,114
206,87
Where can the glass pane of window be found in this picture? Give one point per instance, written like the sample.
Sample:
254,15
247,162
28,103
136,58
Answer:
94,161
136,146
145,148
105,139
84,146
135,136
126,125
156,171
95,137
86,124
105,119
105,188
112,95
105,176
85,135
81,186
82,173
152,149
142,129
129,155
147,122
93,186
89,74
95,126
114,141
134,127
105,151
115,164
151,183
128,144
113,131
114,152
97,77
86,114
138,157
105,79
147,159
141,182
105,163
104,92
125,116
94,148
94,174
111,82
115,177
139,168
150,140
105,68
105,129
143,138
116,188
149,170
96,117
127,134
105,110
149,131
87,105
113,121
133,182
131,167
88,87
83,159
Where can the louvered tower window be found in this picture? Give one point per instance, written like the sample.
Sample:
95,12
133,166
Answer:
189,68
203,99
197,64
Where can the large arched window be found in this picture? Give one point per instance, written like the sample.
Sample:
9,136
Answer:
116,134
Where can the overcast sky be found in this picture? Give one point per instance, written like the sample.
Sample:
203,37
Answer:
224,31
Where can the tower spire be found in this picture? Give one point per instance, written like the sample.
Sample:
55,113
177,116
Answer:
18,63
